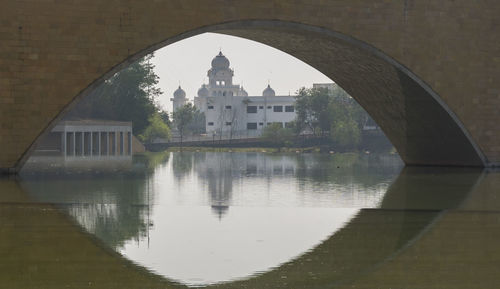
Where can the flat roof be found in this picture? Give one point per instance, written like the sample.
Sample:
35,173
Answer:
92,122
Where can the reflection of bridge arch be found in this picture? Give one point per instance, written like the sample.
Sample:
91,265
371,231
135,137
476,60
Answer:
360,251
425,102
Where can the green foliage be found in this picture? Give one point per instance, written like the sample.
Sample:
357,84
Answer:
157,128
330,111
312,109
183,117
129,95
277,135
346,134
165,117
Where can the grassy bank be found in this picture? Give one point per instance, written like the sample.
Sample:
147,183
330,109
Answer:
314,149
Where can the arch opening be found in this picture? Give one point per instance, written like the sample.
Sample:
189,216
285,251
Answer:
414,118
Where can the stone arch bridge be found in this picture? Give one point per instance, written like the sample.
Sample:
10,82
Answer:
427,71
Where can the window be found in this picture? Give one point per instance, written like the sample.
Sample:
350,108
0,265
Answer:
217,82
210,123
251,125
222,83
251,109
228,107
210,107
278,123
228,123
289,108
224,93
261,107
278,108
288,124
261,123
269,107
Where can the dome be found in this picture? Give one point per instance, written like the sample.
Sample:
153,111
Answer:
179,93
203,91
220,62
243,92
268,91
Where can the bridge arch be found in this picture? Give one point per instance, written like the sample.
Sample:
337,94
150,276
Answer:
421,126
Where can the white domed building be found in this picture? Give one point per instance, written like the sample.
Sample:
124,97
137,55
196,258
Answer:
229,109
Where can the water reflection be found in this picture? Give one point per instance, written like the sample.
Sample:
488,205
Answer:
366,227
272,197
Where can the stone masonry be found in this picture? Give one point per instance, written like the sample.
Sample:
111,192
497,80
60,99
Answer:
428,71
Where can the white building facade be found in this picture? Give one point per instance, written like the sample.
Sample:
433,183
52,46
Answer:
229,109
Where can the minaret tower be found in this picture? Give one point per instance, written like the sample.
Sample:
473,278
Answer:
179,99
220,74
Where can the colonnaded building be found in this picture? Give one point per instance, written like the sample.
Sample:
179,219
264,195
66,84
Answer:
229,109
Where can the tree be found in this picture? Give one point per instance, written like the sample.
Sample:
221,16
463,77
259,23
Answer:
277,135
182,117
156,129
346,134
233,119
165,117
334,111
129,95
197,124
312,109
346,119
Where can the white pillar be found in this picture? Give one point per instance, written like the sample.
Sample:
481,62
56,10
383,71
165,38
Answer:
82,147
73,143
116,144
63,143
99,143
129,139
122,145
107,142
91,143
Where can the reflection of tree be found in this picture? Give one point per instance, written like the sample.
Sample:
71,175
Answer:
182,163
349,168
315,172
148,162
113,208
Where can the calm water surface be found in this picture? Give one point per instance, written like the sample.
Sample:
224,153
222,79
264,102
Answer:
250,220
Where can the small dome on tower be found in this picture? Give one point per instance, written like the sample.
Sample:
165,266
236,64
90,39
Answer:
179,93
203,91
220,62
268,91
243,92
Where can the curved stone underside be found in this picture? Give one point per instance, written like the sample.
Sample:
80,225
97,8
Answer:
427,71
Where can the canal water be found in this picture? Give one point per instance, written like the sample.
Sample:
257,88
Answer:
248,220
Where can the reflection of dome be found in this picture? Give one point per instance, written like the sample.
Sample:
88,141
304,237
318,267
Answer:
268,91
243,92
179,93
220,209
220,62
203,91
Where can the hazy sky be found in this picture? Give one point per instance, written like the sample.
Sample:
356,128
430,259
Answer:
254,64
